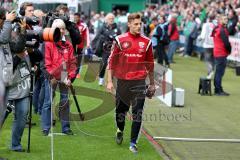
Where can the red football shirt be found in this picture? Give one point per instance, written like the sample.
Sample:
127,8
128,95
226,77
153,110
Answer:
131,57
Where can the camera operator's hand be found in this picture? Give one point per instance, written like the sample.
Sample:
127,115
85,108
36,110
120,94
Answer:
11,16
23,25
68,82
53,81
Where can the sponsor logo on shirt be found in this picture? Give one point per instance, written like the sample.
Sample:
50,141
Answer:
141,44
126,44
133,55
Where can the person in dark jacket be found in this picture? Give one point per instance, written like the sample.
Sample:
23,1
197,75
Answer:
232,22
222,48
108,32
161,30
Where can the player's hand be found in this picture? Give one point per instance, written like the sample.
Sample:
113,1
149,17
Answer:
68,82
110,87
151,91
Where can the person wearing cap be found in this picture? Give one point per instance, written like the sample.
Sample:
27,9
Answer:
60,65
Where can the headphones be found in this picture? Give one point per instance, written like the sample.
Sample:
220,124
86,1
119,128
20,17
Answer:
22,10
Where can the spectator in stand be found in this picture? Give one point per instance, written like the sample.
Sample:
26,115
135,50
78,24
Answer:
174,38
232,22
190,32
152,26
161,41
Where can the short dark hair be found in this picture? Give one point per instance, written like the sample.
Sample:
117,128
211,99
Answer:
62,7
24,5
77,14
133,16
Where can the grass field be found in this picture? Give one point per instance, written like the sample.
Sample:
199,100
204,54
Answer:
201,117
206,116
93,139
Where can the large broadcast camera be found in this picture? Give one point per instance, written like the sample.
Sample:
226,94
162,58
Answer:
73,30
35,37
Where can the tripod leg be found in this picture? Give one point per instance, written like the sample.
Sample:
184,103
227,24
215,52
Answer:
76,102
30,112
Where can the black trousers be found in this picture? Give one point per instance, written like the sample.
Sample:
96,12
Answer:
162,54
130,92
103,65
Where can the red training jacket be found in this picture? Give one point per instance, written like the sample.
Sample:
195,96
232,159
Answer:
85,35
173,31
219,49
55,55
131,57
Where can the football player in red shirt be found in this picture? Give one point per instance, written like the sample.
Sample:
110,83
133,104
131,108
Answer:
131,61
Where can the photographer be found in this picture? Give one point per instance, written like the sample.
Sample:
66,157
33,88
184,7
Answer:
27,12
18,92
5,57
61,67
72,28
106,36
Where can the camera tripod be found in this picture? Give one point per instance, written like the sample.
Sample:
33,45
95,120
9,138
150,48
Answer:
30,109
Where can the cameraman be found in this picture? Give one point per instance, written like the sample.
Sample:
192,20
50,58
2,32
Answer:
60,65
72,28
107,33
5,37
27,11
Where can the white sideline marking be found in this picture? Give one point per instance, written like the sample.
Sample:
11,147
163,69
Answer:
197,139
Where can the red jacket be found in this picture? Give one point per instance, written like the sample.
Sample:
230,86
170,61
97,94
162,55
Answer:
220,39
84,34
173,31
131,57
55,55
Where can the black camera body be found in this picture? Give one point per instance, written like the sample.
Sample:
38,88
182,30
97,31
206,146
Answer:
72,28
51,16
33,21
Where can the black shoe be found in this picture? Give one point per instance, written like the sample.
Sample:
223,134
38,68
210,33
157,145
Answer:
222,93
68,132
45,132
3,158
119,137
19,150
